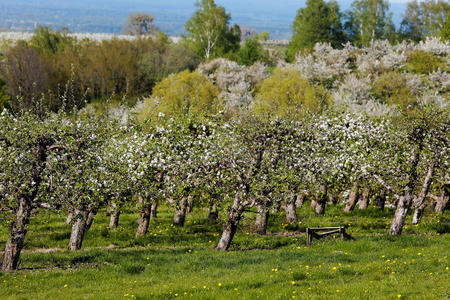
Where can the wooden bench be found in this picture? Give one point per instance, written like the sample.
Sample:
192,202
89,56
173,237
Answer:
318,233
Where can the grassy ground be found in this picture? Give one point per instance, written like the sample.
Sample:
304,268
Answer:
182,263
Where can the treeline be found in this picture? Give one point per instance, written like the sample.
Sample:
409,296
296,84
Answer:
53,66
366,20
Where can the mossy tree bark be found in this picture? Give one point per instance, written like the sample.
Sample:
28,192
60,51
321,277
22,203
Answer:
144,219
353,198
364,199
14,245
262,218
291,213
78,228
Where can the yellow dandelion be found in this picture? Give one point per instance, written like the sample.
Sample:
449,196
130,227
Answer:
399,296
334,268
220,284
65,285
292,282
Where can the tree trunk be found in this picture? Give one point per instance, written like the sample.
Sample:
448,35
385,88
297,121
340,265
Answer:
139,201
433,204
90,218
213,212
190,205
401,211
300,200
262,218
321,200
381,199
154,209
313,203
418,213
364,200
229,228
115,214
353,198
144,219
78,229
69,218
442,202
108,210
332,199
14,245
420,201
291,213
180,212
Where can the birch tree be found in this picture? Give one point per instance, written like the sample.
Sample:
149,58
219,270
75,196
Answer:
208,29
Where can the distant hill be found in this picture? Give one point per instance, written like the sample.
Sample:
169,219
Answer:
108,16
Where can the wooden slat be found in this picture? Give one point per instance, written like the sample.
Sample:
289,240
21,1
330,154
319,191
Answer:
325,228
328,232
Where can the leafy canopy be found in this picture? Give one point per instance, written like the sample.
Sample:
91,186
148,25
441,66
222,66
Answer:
185,93
287,94
318,22
208,30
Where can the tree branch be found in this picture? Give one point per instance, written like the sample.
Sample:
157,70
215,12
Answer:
387,186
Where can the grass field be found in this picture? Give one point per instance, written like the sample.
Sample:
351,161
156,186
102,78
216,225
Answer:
182,263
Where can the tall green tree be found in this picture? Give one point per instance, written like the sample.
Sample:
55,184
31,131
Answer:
411,26
445,31
371,20
427,18
208,30
319,21
434,14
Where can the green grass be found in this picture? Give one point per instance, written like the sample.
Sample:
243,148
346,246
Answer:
182,263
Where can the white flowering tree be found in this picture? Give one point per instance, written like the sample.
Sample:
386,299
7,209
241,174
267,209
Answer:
411,154
186,142
259,160
25,145
81,169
